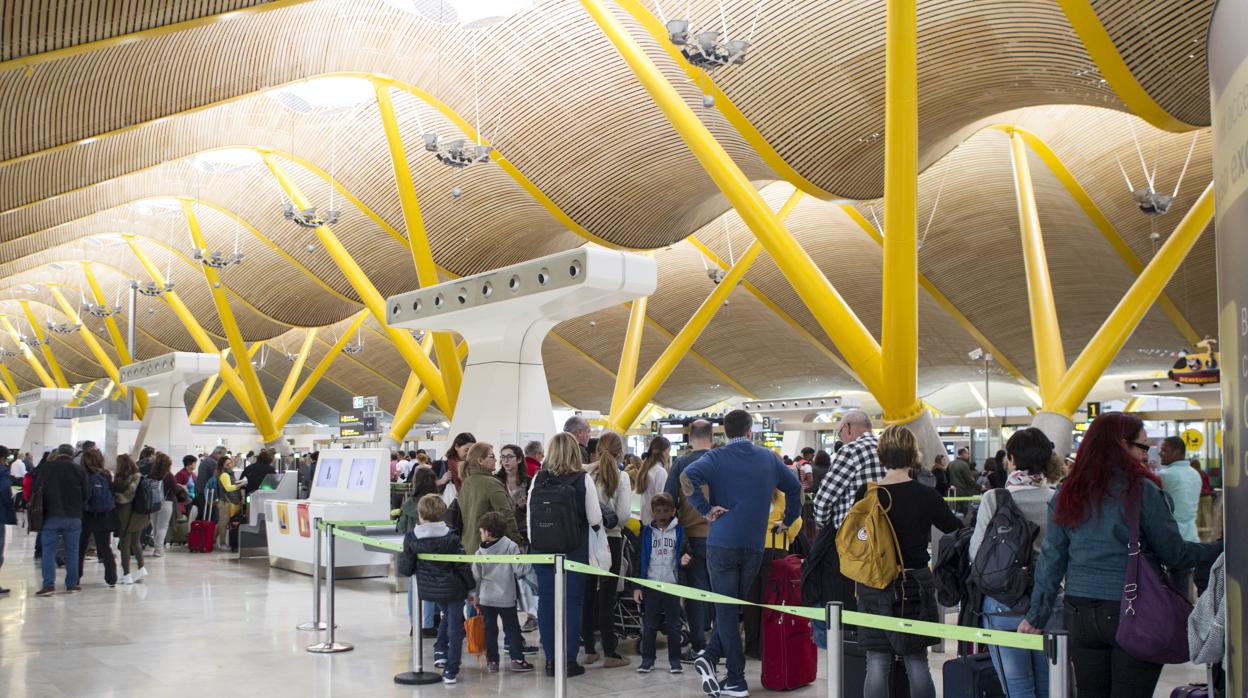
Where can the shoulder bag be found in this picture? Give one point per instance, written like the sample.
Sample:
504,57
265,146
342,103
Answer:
1152,617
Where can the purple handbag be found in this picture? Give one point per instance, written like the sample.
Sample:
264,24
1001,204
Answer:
1152,619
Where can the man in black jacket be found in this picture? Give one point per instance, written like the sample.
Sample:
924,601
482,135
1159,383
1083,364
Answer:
61,485
255,473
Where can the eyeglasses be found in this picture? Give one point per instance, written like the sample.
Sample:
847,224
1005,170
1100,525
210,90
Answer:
1137,444
507,456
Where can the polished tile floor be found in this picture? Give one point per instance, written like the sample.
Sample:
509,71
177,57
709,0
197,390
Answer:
209,625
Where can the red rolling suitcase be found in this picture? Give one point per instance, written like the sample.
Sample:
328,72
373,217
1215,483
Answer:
790,658
203,530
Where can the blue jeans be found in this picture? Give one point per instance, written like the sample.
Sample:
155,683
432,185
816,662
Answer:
426,611
4,532
732,571
571,610
698,578
67,531
450,642
1024,673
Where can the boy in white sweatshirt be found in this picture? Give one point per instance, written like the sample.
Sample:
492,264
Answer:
663,553
496,593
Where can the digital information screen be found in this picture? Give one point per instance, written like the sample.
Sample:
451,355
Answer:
327,472
362,472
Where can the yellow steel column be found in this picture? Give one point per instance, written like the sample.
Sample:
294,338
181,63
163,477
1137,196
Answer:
114,334
8,379
828,307
288,410
8,395
215,398
205,343
623,418
376,304
626,375
899,334
92,343
45,346
309,337
1046,333
417,237
251,381
405,417
80,392
197,410
30,355
1126,316
412,387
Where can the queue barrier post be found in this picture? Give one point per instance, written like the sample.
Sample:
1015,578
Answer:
1057,647
317,623
836,650
561,630
330,646
417,676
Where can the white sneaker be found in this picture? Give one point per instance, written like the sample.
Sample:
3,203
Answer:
141,574
126,579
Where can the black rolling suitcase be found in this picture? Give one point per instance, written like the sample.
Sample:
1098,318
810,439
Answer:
971,676
855,671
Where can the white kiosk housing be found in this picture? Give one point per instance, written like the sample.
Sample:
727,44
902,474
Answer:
505,315
41,404
166,425
349,485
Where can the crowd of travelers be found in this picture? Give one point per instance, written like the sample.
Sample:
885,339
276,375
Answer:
1034,541
718,516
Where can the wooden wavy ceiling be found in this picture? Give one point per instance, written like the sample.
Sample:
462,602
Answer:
557,101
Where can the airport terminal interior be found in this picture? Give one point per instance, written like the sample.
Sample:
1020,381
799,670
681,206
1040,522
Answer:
294,294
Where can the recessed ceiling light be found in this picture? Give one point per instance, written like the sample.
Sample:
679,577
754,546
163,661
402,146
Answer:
324,95
225,160
469,14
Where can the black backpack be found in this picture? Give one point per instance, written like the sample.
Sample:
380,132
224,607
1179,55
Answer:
556,523
1004,564
953,566
100,500
148,497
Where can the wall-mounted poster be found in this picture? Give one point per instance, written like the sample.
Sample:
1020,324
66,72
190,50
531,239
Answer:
283,518
305,523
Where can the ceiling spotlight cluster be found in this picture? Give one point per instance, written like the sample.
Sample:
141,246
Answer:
458,153
99,309
151,289
355,348
217,260
705,50
63,329
1151,202
31,341
9,353
307,217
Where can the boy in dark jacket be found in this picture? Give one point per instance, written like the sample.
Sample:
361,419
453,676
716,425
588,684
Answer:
446,584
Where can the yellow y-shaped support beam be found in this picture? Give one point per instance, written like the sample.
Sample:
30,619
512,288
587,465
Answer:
1046,333
92,343
45,346
625,416
9,383
210,397
405,417
309,338
30,355
251,381
828,307
417,237
1126,316
114,333
80,393
412,387
899,336
626,375
202,340
288,410
376,304
1100,220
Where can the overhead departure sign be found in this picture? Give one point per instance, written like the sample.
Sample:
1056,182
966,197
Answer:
1094,410
345,432
350,418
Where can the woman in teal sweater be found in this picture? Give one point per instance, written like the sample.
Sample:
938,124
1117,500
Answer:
1085,544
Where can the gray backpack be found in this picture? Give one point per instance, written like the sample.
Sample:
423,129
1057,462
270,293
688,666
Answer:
1003,567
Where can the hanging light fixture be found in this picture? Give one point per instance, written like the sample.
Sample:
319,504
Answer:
217,260
63,328
459,153
308,217
355,348
151,289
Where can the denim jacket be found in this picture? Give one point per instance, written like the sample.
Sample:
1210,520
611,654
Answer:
1092,557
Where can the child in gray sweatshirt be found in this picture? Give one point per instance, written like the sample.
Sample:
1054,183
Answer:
496,592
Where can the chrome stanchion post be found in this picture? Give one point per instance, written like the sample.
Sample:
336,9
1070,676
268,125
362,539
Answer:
417,676
561,630
316,623
330,646
835,651
1057,647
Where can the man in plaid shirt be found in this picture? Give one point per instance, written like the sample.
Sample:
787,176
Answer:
856,464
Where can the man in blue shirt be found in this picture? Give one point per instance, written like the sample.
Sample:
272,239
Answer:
741,479
1182,485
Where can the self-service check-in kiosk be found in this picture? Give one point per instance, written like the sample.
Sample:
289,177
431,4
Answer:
252,534
349,485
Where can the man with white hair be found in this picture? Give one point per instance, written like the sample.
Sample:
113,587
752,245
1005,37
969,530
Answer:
579,429
856,464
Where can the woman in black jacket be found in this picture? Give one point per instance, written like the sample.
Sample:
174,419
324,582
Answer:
98,525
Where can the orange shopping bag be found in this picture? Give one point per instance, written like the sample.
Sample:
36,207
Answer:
474,633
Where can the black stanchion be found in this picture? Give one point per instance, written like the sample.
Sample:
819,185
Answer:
330,646
417,676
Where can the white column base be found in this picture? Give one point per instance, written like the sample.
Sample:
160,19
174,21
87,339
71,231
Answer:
930,443
1059,428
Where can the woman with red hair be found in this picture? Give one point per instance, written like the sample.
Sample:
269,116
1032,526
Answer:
1086,545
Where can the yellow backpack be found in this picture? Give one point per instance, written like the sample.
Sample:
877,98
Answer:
867,544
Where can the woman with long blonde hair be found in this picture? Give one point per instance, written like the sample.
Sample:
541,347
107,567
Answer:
652,474
613,492
561,475
480,493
